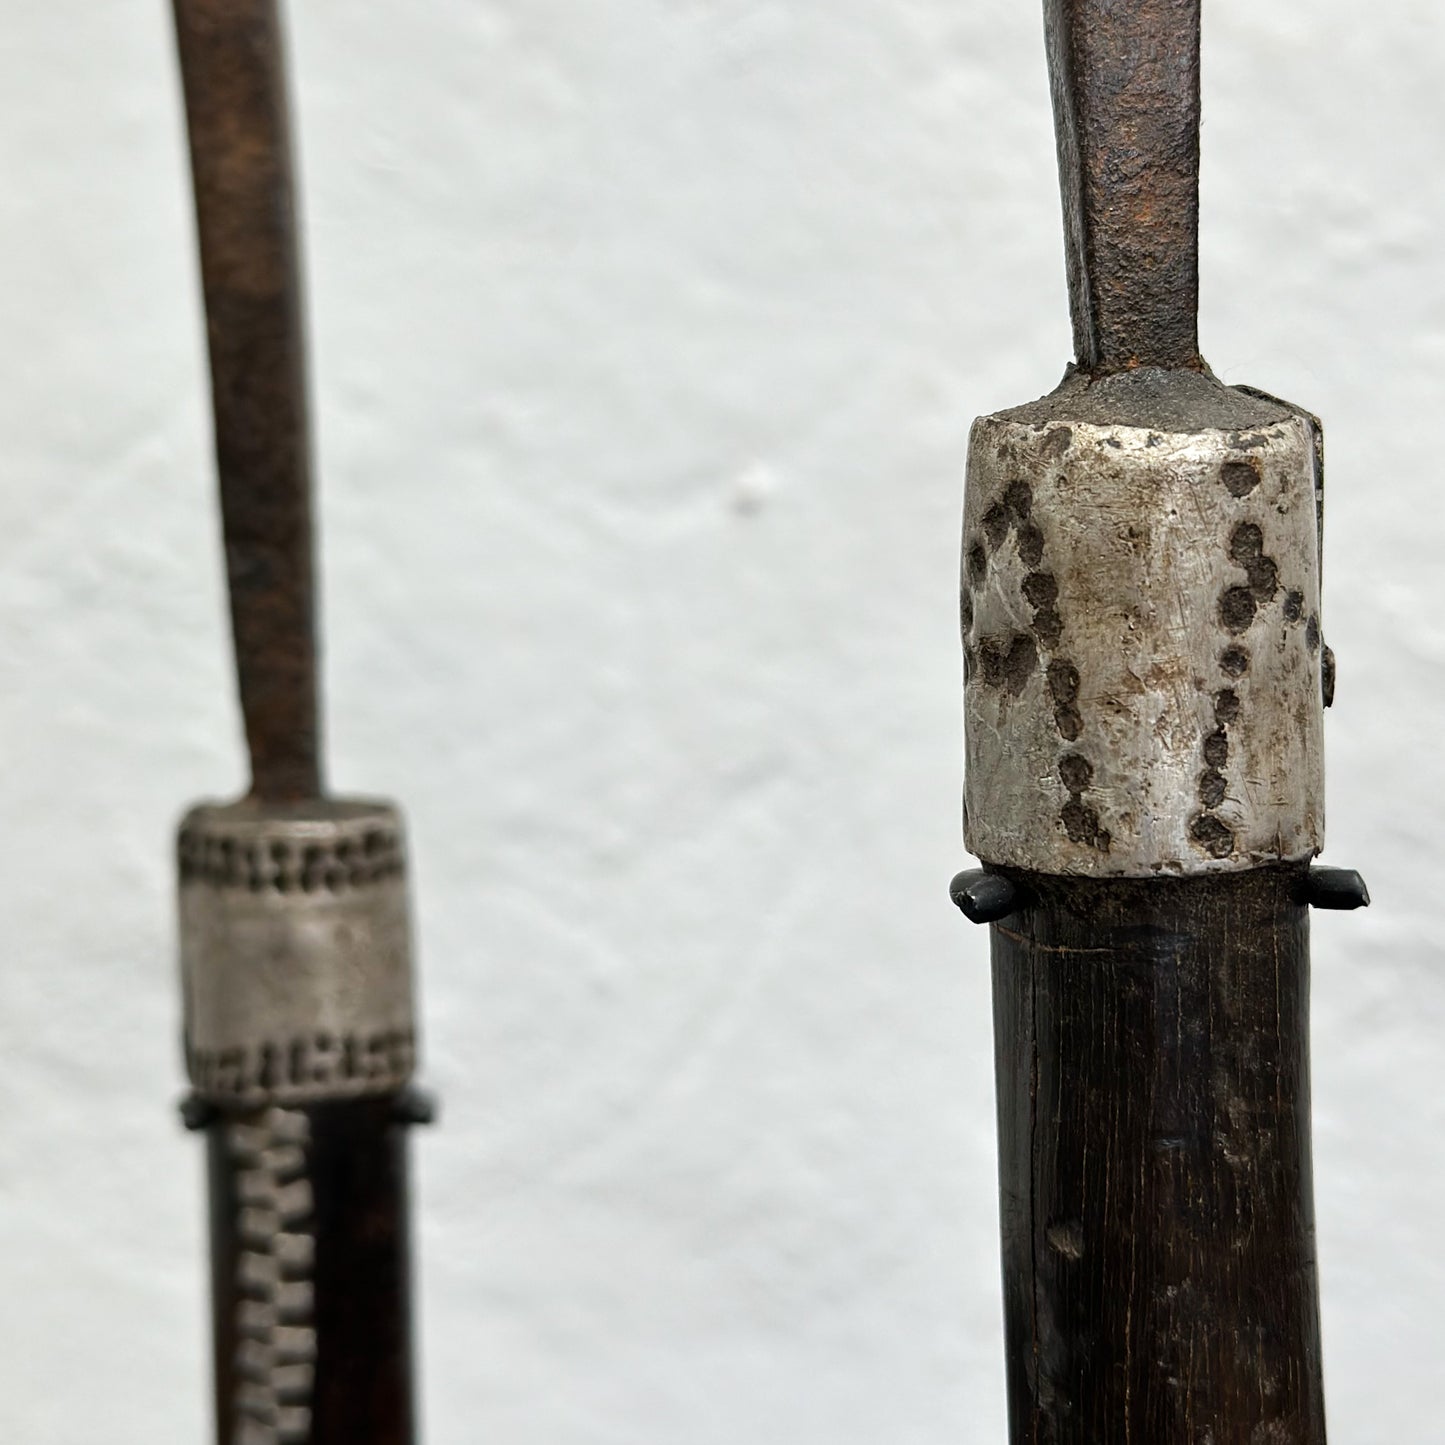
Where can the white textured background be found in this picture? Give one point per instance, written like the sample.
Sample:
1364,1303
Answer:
646,339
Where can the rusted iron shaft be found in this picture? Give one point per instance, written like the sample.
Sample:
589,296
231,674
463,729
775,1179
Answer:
1125,81
234,75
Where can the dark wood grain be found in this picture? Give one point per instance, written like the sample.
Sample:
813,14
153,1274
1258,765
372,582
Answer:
1155,1179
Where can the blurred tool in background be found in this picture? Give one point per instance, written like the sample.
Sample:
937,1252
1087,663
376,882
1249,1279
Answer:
295,933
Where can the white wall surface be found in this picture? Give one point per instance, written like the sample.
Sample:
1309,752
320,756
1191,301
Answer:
646,339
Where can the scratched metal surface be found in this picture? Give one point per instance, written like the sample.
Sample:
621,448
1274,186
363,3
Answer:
644,442
1142,648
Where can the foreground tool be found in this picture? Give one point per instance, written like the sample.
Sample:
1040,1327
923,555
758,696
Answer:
1145,679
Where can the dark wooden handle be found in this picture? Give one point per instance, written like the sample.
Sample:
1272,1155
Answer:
1152,1048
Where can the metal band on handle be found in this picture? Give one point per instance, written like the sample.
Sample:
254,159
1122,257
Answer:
295,952
1142,647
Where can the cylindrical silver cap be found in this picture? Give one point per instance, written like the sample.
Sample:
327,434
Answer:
1142,646
295,951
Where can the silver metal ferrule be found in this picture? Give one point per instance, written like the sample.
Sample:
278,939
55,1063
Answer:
295,951
1143,659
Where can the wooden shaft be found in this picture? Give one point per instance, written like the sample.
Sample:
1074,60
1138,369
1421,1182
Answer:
310,1275
233,70
1154,1153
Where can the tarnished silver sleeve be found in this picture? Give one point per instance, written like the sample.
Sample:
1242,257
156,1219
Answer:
295,951
1142,647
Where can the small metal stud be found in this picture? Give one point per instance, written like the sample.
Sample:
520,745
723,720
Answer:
416,1106
1336,888
984,897
197,1113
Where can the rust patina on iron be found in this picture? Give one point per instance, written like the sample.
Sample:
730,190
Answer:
1125,80
232,66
